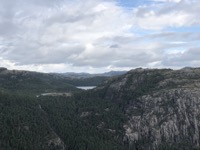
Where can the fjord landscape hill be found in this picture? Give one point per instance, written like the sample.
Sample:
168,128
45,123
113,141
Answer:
155,109
161,105
19,80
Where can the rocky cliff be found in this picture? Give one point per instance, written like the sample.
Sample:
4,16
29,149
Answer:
162,107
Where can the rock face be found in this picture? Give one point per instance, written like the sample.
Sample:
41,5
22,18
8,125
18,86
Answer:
171,116
162,107
56,143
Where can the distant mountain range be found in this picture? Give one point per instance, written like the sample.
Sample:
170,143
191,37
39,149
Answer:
88,75
29,80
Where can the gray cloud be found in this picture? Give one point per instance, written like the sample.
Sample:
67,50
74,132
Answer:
188,58
96,34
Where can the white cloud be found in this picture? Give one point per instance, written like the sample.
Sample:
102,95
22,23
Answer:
93,35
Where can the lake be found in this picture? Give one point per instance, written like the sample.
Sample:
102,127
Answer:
86,87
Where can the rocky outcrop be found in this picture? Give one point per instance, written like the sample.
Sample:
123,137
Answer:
170,116
162,107
56,143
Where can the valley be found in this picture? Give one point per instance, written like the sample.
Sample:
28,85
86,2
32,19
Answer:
99,75
142,109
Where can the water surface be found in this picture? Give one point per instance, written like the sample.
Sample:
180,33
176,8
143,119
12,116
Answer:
86,87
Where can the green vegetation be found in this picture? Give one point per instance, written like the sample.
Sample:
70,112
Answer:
85,123
28,122
81,122
22,124
88,120
33,83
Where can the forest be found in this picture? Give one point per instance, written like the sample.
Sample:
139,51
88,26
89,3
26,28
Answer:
122,113
80,122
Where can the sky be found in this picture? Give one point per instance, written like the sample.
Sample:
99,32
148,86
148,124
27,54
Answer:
99,35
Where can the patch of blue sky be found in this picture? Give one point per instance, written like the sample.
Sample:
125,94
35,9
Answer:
144,34
175,50
181,48
133,3
185,29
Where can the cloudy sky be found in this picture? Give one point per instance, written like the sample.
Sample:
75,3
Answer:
99,35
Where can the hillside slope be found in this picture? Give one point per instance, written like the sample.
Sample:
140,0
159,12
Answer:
59,123
24,126
32,82
145,109
162,106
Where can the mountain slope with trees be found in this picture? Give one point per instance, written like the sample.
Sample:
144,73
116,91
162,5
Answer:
32,82
155,109
161,105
